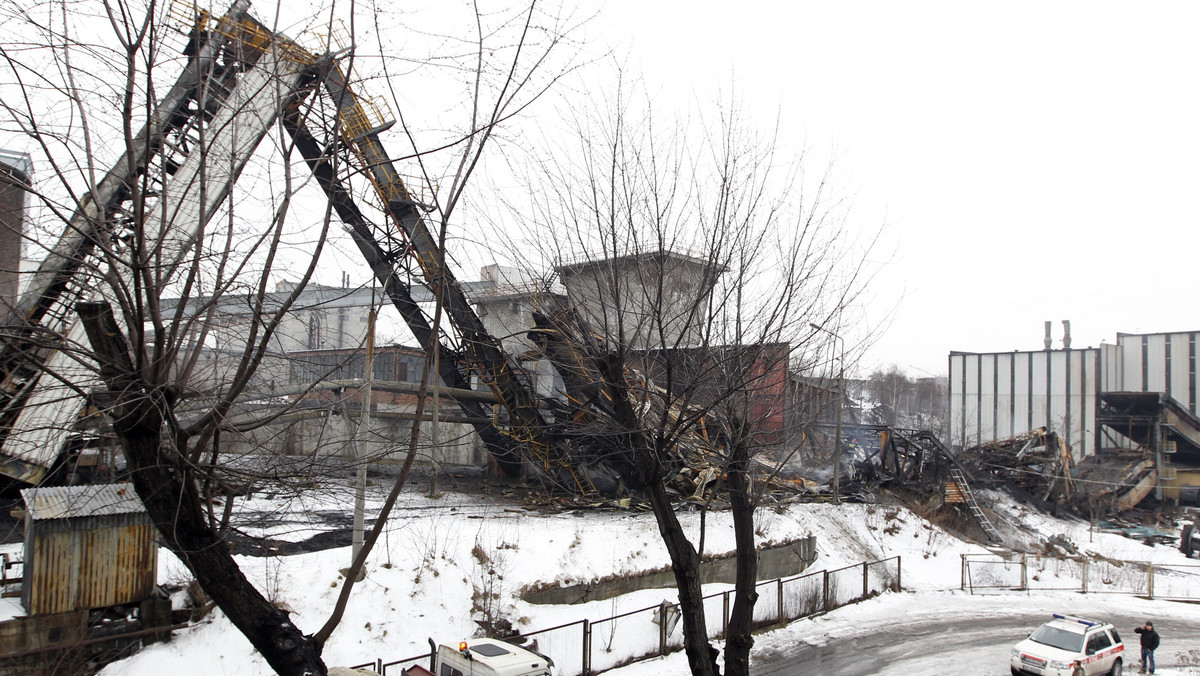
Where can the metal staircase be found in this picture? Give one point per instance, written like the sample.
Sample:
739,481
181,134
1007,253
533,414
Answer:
958,490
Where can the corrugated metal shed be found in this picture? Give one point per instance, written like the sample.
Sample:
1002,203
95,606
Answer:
86,547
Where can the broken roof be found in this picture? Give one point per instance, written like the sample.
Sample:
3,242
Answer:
71,502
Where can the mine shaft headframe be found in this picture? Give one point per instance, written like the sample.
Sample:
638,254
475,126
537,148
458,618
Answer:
237,25
237,107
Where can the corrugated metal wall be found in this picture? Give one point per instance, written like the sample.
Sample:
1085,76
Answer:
1157,362
1001,394
91,562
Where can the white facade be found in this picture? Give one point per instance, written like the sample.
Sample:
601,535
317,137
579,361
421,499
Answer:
1154,362
998,395
1002,394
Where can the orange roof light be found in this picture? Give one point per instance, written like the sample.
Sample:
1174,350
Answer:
462,646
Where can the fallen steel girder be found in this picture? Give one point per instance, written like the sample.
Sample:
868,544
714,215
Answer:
478,353
454,375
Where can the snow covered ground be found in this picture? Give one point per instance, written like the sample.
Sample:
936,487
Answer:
438,555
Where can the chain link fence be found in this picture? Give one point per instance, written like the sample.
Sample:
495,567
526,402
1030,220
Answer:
588,647
997,573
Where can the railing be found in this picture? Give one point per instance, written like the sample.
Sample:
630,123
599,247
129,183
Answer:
586,647
984,573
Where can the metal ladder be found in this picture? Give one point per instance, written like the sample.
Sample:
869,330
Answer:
960,480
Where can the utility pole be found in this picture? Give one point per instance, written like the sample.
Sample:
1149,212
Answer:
841,395
360,462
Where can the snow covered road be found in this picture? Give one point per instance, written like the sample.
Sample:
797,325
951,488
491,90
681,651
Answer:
930,633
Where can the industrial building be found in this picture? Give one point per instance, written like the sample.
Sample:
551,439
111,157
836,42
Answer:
1137,394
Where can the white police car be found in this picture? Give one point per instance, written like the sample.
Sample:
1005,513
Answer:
1069,646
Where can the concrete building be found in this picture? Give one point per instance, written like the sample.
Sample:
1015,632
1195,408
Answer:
15,178
647,299
324,392
505,300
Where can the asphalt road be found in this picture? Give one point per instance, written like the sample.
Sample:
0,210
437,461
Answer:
934,645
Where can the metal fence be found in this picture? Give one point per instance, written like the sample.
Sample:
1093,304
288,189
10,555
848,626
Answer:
588,647
994,573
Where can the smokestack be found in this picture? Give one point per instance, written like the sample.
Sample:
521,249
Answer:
1049,340
1066,334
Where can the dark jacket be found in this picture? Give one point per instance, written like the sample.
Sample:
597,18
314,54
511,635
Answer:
1149,638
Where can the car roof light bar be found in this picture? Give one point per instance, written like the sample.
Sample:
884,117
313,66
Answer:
1080,620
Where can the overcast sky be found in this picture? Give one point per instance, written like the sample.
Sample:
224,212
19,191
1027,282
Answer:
1030,161
1027,161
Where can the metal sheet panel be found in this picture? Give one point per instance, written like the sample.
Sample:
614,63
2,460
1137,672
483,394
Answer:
997,395
957,418
1179,377
1022,406
1004,395
1080,398
95,562
1111,368
1131,363
987,396
1155,368
971,389
1037,386
1058,398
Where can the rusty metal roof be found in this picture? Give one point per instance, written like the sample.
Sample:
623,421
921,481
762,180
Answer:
72,502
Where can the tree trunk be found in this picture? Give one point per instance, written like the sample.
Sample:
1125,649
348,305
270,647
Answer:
738,637
167,487
685,563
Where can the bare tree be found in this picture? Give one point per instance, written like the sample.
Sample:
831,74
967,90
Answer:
695,257
177,106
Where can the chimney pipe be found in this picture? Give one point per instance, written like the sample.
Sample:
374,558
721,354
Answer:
1066,334
1049,340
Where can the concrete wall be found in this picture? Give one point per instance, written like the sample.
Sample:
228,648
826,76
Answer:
784,560
320,434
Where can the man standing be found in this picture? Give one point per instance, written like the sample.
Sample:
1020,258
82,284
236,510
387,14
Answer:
1149,645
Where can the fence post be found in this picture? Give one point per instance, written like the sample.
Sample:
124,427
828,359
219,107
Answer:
662,629
1150,581
1084,572
963,585
1024,572
825,592
587,648
379,665
725,612
779,598
899,587
866,584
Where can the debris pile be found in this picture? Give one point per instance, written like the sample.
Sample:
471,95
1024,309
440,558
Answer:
1037,463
